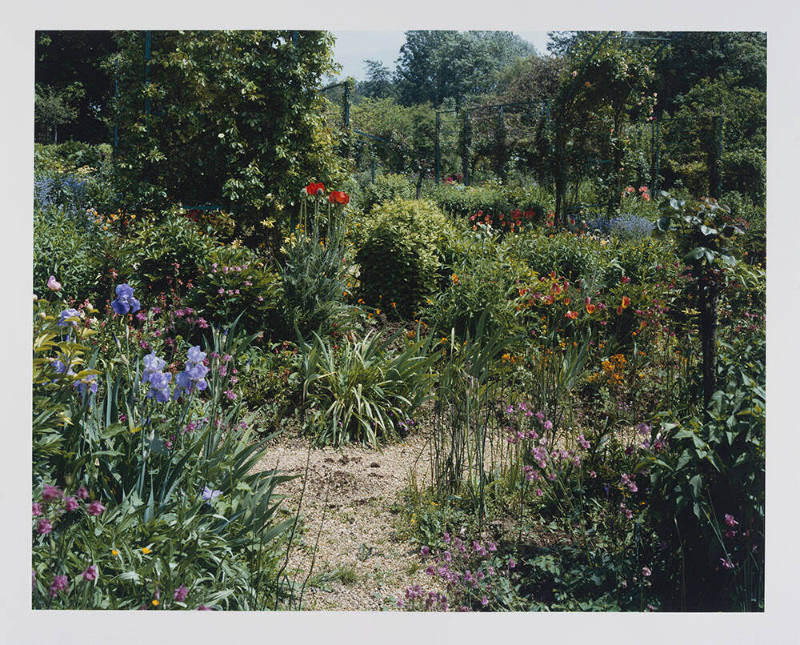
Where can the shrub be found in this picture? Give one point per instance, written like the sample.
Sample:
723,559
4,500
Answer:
398,257
164,253
361,390
568,255
480,278
387,188
234,281
69,249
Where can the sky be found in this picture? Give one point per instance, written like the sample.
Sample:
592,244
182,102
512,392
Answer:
354,47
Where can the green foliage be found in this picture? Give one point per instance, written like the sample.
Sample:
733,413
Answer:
271,385
480,279
147,464
716,468
235,283
361,391
314,276
233,120
69,250
398,257
162,253
438,65
571,256
386,188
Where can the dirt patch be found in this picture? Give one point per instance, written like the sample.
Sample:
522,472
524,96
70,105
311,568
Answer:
349,492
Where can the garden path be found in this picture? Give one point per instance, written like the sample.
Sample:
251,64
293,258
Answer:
361,561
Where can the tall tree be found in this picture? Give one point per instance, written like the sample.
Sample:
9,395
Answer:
436,65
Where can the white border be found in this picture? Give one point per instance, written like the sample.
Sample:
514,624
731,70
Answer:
19,625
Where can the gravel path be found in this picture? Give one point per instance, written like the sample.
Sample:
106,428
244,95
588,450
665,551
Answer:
361,562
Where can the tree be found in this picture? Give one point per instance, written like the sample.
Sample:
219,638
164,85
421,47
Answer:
66,61
230,118
437,65
379,81
54,108
408,133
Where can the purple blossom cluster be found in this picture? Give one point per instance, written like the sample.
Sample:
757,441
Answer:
193,375
158,379
54,504
468,570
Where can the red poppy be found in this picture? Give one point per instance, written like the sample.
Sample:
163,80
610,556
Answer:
339,197
315,188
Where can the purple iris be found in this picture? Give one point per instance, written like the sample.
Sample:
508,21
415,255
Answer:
125,302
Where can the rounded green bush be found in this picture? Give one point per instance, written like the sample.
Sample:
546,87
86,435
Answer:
398,257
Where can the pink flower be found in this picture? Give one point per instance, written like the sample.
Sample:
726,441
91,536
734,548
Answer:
90,573
60,583
220,291
53,284
83,493
95,508
181,593
71,504
230,394
37,509
726,563
49,493
44,527
512,563
730,521
646,572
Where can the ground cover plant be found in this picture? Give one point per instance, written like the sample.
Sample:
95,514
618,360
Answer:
536,384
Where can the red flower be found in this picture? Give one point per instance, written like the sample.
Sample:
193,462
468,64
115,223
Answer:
571,314
625,302
339,197
315,188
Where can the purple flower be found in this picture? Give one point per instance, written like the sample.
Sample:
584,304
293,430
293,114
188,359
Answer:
49,493
95,508
425,550
203,608
446,538
512,563
730,521
181,593
726,563
90,573
53,284
209,494
44,527
71,504
125,302
484,601
68,313
646,572
37,509
87,383
60,583
447,556
83,493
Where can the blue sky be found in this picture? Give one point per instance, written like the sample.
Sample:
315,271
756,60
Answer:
353,47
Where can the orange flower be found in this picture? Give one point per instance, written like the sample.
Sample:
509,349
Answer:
571,315
590,308
625,302
548,300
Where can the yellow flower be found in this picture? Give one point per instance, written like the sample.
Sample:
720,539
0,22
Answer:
114,552
145,550
155,602
377,312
